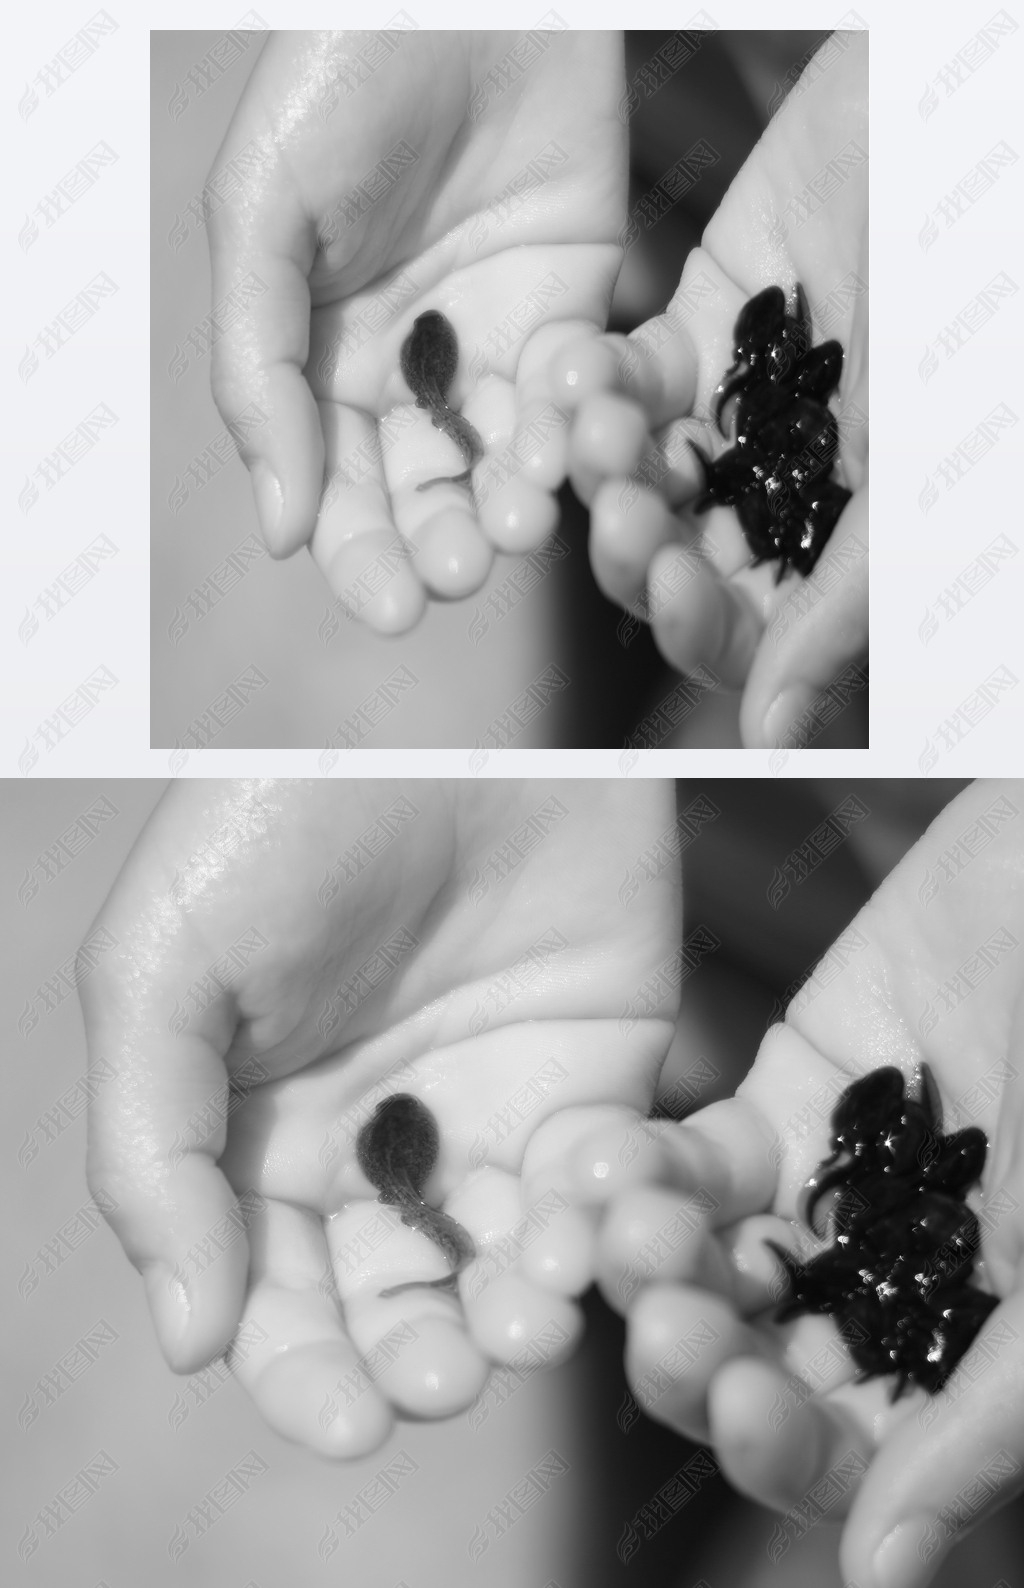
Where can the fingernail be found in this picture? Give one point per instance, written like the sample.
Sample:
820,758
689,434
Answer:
169,1305
907,1557
269,498
782,721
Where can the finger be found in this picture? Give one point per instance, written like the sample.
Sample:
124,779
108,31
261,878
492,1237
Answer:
438,517
699,619
774,1443
678,1338
610,438
561,1259
813,1350
926,1488
452,557
515,1320
439,1370
369,567
562,1256
548,1158
652,1234
627,527
727,1152
153,1173
573,369
820,628
673,467
539,446
292,1353
758,1276
516,514
610,435
660,368
570,363
657,367
792,1089
261,247
671,362
1005,1172
507,1311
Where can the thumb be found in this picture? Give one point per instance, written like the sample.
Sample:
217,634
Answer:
157,1125
819,633
927,1487
262,245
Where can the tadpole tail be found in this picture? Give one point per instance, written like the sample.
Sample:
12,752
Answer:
455,1242
447,1233
451,423
449,1283
447,479
816,1189
789,1306
730,384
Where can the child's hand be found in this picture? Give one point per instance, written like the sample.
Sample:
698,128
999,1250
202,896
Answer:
639,400
455,175
318,947
930,970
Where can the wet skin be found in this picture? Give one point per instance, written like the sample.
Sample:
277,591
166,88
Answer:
897,1277
397,1149
777,474
429,359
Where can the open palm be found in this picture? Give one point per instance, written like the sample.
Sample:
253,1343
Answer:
476,174
929,972
796,212
316,948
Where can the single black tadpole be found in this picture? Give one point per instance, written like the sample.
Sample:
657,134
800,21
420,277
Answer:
429,360
397,1150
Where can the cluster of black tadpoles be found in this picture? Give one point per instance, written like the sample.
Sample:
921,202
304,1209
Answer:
777,473
898,1271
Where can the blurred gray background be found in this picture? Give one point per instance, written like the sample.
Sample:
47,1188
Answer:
83,1377
211,621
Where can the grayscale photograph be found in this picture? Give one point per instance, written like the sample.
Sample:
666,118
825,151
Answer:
509,389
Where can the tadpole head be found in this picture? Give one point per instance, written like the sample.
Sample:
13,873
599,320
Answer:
398,1147
430,356
868,1106
760,322
958,1160
820,371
